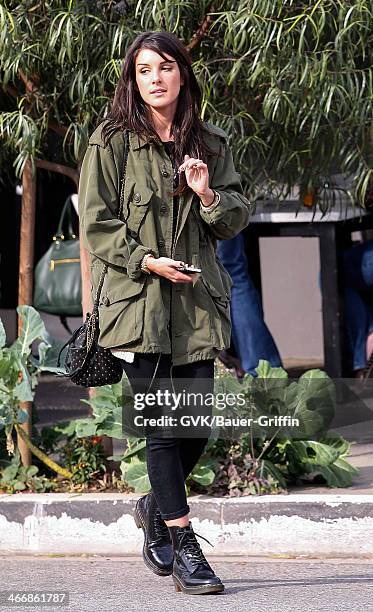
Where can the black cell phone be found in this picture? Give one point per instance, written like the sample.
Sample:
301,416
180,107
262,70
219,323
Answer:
188,269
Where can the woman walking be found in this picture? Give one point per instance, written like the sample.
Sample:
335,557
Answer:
181,194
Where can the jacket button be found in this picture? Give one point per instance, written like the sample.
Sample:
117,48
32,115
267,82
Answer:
106,301
137,197
164,173
161,243
163,209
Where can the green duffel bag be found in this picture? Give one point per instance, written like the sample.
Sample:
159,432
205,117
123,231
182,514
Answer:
57,279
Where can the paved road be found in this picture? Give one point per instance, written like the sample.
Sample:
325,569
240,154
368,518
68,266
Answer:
124,584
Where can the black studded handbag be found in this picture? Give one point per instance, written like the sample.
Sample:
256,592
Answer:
86,362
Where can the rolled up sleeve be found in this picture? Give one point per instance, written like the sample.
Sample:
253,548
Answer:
103,234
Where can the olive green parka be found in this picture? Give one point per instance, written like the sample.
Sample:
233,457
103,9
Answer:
135,308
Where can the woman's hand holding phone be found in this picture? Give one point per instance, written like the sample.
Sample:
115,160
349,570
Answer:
168,268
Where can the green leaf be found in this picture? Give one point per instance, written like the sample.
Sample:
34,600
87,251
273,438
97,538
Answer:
33,328
339,474
6,415
19,486
265,370
66,429
314,403
10,472
268,468
85,428
311,451
32,470
9,369
203,475
48,353
136,476
23,391
134,450
2,335
112,425
338,442
115,457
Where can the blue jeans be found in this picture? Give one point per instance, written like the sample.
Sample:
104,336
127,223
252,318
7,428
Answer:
251,337
358,288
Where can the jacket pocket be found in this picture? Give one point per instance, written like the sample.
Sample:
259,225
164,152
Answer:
220,296
121,310
226,278
218,306
139,205
120,287
216,279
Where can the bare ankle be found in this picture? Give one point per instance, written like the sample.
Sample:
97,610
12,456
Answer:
183,521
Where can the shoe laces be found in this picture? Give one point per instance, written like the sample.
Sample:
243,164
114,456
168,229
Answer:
192,546
160,527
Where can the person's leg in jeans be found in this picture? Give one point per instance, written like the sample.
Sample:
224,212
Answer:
200,379
369,344
251,336
358,288
169,460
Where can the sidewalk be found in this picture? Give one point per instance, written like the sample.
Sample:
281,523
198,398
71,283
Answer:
294,525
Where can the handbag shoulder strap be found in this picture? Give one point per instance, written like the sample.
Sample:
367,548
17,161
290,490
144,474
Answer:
120,208
65,214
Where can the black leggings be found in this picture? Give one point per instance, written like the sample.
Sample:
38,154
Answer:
169,459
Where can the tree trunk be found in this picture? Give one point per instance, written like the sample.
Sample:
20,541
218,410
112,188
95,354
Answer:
26,269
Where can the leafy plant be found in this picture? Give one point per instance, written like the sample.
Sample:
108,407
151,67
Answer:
16,477
326,457
107,405
311,400
19,371
272,459
134,470
108,415
237,473
85,459
84,456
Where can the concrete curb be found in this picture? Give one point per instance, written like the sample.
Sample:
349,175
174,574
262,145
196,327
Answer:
269,525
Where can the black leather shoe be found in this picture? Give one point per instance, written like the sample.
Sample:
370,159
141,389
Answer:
157,551
191,572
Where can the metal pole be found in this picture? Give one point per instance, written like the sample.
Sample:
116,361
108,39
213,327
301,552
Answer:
26,267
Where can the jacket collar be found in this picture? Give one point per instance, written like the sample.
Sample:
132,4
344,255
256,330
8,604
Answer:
138,141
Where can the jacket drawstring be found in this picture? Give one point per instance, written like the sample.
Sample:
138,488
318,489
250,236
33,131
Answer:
154,373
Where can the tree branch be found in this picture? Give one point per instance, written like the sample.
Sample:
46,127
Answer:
30,85
199,34
53,167
59,129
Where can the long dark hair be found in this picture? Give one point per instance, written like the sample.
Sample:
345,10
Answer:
129,111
